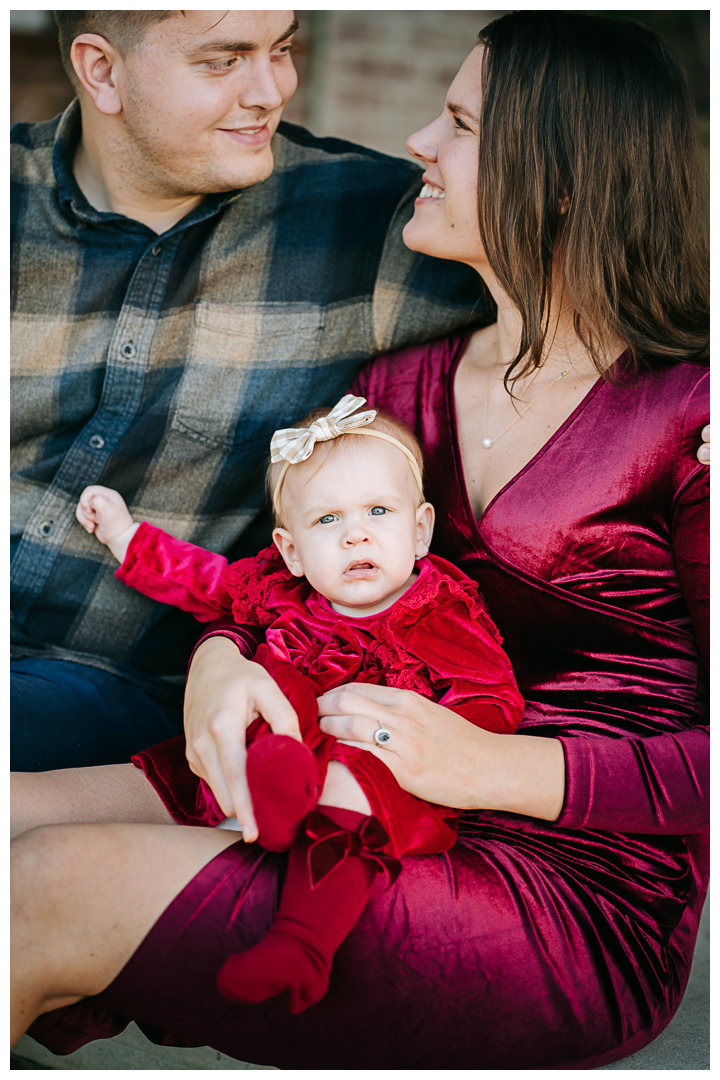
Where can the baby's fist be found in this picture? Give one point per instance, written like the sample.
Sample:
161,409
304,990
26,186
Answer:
103,511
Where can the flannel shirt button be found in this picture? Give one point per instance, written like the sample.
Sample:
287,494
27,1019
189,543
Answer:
97,442
47,528
128,350
156,250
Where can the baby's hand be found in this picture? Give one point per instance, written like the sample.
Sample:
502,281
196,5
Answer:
103,511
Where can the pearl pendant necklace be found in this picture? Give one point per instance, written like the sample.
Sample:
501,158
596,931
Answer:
487,442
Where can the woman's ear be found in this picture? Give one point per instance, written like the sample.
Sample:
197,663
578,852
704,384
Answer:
425,520
97,65
286,546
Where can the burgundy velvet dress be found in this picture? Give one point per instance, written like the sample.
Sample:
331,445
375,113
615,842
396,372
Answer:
529,945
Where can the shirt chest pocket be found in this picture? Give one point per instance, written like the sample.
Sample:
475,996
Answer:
249,364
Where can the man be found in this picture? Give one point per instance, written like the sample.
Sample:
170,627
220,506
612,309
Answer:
189,274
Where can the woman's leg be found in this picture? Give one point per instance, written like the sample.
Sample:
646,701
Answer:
103,793
83,899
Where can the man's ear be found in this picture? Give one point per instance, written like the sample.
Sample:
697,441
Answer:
425,519
97,65
286,546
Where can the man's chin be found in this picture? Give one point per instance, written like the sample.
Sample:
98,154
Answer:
229,176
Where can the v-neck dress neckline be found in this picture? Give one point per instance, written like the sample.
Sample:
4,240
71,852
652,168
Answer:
452,421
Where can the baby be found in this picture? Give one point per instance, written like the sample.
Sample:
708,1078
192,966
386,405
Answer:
349,593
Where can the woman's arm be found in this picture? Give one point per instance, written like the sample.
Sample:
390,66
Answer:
441,757
661,783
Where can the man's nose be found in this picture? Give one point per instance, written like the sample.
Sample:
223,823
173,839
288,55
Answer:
260,89
423,144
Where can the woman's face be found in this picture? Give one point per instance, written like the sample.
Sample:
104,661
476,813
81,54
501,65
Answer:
445,222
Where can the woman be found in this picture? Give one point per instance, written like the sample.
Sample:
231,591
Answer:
558,932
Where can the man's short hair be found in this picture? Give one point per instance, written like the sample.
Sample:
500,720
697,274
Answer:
123,29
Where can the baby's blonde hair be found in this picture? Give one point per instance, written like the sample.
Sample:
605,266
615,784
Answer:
382,422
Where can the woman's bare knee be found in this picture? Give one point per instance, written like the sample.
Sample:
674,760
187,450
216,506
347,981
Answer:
105,793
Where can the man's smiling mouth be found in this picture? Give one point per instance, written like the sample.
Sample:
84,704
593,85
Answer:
249,136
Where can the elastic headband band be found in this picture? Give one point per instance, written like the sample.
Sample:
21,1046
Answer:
414,467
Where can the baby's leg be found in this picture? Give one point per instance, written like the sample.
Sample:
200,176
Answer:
295,956
342,790
103,793
321,901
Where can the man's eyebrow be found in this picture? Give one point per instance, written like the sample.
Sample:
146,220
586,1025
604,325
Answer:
232,45
461,110
292,28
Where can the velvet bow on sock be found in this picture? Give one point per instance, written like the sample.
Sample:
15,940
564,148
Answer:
331,845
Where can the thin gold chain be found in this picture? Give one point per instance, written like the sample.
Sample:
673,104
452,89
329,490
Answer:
487,442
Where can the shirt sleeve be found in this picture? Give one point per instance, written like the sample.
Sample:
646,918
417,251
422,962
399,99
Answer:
659,784
174,572
418,297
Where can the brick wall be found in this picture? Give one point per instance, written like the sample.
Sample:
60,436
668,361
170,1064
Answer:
374,77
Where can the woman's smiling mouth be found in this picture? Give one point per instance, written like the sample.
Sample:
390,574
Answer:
430,191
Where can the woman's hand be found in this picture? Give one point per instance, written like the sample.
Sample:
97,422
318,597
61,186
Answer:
224,694
438,756
703,453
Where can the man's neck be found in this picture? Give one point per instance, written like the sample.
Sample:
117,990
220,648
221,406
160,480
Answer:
108,187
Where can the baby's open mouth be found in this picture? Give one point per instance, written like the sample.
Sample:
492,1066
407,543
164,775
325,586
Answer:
361,568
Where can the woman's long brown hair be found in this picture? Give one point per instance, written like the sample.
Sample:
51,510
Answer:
589,158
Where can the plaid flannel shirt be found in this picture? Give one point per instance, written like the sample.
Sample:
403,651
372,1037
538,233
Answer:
161,365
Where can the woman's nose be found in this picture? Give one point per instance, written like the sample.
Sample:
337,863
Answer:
423,144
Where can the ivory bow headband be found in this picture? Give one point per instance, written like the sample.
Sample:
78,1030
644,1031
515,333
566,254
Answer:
293,445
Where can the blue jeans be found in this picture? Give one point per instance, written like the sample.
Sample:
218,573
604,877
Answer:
65,715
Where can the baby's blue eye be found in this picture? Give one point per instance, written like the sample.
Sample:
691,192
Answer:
378,510
326,519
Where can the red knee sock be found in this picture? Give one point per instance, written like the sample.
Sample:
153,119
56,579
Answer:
283,781
282,773
297,952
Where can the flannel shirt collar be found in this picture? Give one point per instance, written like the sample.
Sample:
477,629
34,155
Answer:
75,205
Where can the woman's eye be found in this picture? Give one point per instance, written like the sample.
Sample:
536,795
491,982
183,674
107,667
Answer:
459,124
377,511
326,519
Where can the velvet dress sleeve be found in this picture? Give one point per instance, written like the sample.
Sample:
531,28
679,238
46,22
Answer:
174,572
659,784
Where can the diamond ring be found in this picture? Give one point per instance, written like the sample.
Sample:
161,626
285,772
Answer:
382,736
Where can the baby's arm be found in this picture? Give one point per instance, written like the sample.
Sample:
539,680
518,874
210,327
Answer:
103,511
158,565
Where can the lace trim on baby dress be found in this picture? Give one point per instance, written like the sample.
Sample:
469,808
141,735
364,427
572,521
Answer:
257,586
